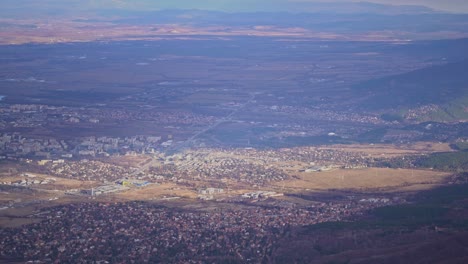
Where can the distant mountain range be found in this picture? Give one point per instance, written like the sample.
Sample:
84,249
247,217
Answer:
335,17
16,8
292,6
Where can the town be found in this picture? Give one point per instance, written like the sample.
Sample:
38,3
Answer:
104,232
159,142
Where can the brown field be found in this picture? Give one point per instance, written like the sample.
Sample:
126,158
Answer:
156,192
25,201
58,184
393,150
366,179
128,161
15,217
22,215
27,195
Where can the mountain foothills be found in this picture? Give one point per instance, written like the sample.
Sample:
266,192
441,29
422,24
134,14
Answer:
439,91
256,132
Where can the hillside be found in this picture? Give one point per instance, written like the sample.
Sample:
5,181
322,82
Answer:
438,93
430,229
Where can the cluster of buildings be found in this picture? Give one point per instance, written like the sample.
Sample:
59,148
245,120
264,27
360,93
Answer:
28,179
110,187
326,115
106,189
420,112
315,156
106,146
209,193
148,233
19,117
202,165
238,170
261,195
244,166
32,115
89,170
15,146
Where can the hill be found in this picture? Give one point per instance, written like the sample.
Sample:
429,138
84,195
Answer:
431,229
438,93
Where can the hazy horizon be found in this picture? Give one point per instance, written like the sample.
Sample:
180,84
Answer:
456,6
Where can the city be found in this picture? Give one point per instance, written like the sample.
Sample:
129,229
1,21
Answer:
313,133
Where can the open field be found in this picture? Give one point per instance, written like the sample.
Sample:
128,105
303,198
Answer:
15,217
369,179
157,192
49,182
128,161
29,210
19,204
391,150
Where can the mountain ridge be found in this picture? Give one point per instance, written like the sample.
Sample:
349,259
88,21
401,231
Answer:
56,8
